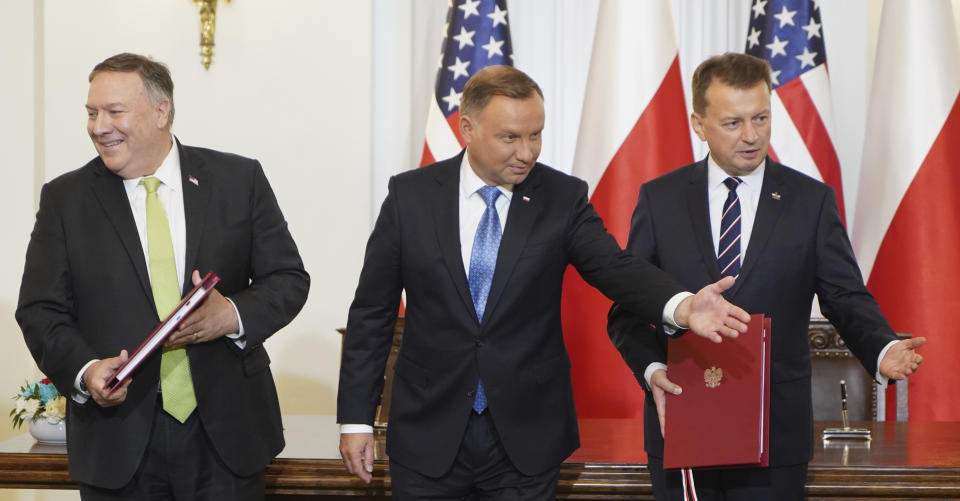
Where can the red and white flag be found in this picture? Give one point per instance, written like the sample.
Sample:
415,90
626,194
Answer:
634,128
907,223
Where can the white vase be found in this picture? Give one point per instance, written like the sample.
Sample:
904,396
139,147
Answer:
47,433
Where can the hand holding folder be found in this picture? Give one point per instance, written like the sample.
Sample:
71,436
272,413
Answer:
729,385
159,334
214,317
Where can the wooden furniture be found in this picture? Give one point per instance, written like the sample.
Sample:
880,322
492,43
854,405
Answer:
904,460
832,361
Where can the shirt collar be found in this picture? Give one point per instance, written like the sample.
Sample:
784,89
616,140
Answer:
169,171
470,182
716,175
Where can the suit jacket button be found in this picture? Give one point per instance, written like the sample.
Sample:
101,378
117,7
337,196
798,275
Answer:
479,342
471,393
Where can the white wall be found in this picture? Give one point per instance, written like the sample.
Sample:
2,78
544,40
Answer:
290,85
18,131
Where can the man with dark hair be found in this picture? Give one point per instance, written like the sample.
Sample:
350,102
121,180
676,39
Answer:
739,214
482,401
115,245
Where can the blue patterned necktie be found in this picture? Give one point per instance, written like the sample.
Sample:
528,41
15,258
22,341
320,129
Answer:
728,252
483,260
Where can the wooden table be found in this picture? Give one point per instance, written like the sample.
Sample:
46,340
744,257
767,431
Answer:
903,461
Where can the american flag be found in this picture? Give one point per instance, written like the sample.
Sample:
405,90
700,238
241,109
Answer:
477,34
789,35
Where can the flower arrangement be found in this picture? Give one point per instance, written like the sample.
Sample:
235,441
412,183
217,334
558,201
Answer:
37,400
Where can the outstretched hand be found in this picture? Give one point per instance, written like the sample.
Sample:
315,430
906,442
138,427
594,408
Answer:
709,315
901,360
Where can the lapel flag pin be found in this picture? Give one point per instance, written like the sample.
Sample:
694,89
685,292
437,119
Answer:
775,195
193,180
526,199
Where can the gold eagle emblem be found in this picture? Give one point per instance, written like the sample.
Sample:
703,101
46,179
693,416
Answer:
712,377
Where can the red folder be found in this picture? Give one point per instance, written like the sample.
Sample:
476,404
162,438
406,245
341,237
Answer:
722,418
163,331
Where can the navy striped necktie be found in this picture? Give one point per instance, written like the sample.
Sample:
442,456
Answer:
728,252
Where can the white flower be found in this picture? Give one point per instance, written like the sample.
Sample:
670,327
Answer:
55,410
21,406
31,407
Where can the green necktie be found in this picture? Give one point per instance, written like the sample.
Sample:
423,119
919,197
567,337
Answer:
176,384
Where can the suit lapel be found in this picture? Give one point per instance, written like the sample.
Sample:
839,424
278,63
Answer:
197,190
769,209
525,205
446,216
109,190
699,211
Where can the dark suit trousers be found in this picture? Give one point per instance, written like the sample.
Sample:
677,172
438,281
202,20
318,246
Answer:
783,483
180,464
481,471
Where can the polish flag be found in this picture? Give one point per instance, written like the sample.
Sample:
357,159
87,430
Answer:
634,128
907,225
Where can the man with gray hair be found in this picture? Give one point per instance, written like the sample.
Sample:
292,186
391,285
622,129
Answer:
115,245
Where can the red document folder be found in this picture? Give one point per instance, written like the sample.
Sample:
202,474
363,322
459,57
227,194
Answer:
162,331
722,418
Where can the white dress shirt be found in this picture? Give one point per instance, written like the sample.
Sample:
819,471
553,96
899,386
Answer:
472,206
170,194
749,194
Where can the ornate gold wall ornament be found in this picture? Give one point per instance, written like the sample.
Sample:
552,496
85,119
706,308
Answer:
712,377
208,28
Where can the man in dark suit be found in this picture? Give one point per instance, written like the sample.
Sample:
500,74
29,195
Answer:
482,401
115,244
696,222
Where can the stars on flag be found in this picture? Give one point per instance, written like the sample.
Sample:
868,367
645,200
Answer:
758,8
465,38
469,8
470,23
806,59
812,28
459,68
777,47
788,34
498,16
753,39
452,99
785,17
493,47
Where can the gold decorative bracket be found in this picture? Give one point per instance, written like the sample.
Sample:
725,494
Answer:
208,28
